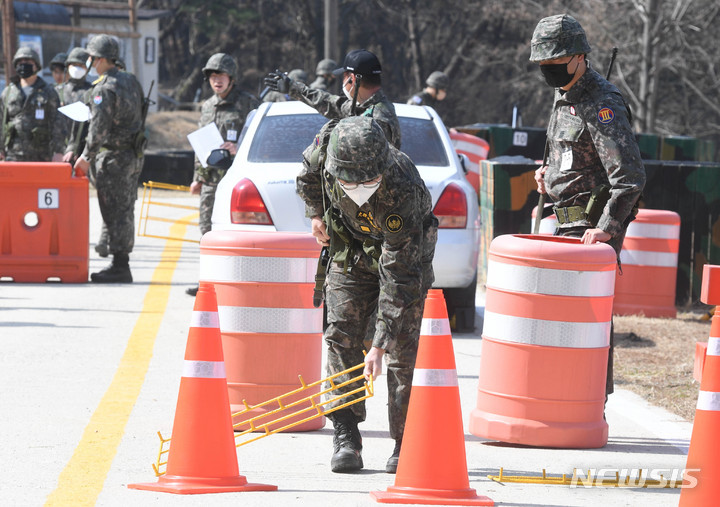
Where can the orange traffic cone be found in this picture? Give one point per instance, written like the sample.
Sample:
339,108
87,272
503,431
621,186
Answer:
202,456
432,467
701,486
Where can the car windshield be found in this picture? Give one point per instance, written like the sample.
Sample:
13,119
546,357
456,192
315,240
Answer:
283,138
421,142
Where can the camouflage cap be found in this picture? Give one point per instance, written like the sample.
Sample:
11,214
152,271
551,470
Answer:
438,80
357,150
325,66
26,52
298,75
558,36
78,56
221,62
59,60
103,46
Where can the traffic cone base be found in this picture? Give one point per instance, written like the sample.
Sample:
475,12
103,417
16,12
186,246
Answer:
432,468
199,485
202,457
400,495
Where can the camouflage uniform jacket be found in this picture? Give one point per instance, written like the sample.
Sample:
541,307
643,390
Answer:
339,106
35,129
422,98
398,217
75,90
115,113
590,143
229,115
320,83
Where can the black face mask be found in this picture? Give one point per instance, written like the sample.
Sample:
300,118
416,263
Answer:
556,74
25,70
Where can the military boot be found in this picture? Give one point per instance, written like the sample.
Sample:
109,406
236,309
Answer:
117,272
392,462
347,443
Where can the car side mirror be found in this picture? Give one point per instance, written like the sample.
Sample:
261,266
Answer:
220,159
464,162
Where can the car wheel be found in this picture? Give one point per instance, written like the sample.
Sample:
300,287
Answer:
461,307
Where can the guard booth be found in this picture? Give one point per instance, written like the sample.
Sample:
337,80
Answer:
44,216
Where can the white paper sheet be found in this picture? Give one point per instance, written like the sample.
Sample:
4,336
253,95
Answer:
204,140
76,111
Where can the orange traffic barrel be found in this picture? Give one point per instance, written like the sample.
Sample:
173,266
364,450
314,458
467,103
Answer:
545,341
475,149
548,225
271,333
649,259
44,217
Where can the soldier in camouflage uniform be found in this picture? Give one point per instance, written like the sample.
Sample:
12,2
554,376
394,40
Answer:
114,146
75,90
435,90
57,68
591,147
228,108
362,89
324,77
368,204
33,130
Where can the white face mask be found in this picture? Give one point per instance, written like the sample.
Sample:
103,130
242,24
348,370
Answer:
361,194
77,71
92,72
345,90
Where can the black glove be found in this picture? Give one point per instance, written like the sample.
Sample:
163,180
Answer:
278,81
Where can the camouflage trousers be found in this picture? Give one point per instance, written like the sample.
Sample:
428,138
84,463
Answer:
577,232
207,201
116,178
351,305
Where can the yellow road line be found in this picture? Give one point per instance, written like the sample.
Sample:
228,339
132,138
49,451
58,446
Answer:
82,479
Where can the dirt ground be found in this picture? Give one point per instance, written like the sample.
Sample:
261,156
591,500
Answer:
654,358
168,130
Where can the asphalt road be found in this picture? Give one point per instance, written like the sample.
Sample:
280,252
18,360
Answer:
90,373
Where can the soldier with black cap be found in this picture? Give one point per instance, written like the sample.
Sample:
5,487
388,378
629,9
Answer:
435,91
32,128
228,108
594,172
369,206
362,93
114,147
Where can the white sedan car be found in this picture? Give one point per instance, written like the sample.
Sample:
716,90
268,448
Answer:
258,191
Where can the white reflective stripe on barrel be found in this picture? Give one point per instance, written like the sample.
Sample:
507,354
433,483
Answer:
205,319
659,231
236,268
203,369
556,282
644,258
468,147
577,335
435,327
713,347
434,378
707,400
237,319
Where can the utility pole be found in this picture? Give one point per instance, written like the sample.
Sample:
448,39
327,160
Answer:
331,30
8,37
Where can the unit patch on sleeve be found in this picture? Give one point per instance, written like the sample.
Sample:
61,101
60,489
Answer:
394,223
606,115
